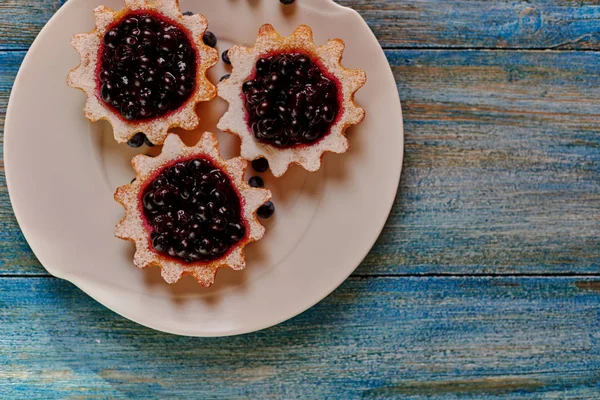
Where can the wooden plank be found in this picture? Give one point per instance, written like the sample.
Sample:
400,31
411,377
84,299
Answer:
9,62
553,24
502,170
502,167
416,24
16,256
21,21
372,338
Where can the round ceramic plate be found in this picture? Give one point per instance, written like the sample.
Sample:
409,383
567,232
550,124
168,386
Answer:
62,171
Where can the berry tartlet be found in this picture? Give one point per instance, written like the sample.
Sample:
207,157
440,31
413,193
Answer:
144,68
290,101
189,211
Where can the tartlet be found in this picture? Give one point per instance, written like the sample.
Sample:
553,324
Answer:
189,211
290,101
143,68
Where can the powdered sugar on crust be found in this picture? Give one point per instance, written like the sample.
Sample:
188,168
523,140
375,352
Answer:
132,226
243,60
84,76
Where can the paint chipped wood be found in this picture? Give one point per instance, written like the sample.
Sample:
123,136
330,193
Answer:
501,176
548,24
372,338
554,24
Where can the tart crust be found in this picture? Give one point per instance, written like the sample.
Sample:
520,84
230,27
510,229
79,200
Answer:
243,60
84,76
133,226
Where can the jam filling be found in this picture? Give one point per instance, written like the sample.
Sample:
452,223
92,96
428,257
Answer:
147,67
193,211
289,100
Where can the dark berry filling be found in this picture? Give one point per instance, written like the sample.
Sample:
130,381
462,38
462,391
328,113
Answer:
147,68
193,211
289,100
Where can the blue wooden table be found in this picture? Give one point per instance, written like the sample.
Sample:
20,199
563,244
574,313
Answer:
484,283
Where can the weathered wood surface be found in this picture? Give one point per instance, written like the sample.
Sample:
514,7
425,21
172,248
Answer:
372,338
502,169
554,24
15,255
501,177
557,24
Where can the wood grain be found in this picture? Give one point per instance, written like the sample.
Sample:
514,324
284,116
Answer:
556,24
373,338
21,20
15,254
502,167
553,24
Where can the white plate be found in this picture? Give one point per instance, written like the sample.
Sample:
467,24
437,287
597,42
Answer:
62,171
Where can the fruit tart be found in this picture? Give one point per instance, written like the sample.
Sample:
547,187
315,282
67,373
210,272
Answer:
189,211
144,68
290,101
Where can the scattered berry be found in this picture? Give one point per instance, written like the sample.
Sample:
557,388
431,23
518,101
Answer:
148,143
266,210
188,13
260,164
224,77
137,140
210,39
286,2
194,211
256,182
225,57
